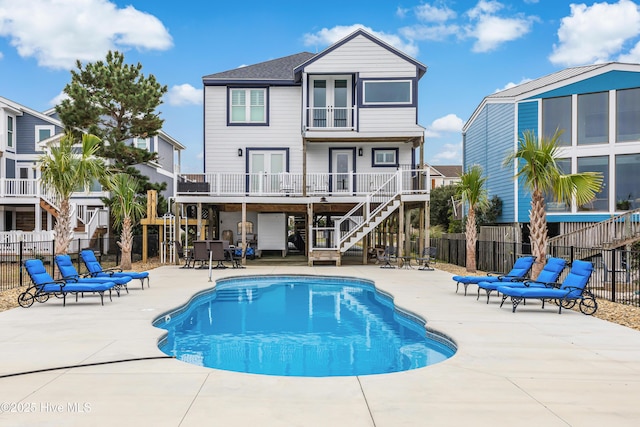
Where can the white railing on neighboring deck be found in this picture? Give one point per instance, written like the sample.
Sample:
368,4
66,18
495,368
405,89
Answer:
410,181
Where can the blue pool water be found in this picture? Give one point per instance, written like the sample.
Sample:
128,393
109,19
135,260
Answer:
299,326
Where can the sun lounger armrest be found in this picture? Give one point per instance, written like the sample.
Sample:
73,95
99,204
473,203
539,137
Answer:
528,283
495,273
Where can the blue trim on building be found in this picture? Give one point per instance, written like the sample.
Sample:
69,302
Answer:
266,105
353,165
613,80
414,93
373,157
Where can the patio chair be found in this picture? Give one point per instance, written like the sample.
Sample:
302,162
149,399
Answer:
96,270
566,294
200,253
69,272
218,253
386,257
549,274
43,286
520,269
186,254
428,257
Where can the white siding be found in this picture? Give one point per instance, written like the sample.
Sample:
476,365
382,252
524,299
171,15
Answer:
389,120
222,141
363,56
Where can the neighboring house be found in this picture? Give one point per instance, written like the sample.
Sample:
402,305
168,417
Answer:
442,175
24,137
597,108
325,143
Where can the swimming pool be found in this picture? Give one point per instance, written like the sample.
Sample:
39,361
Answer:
313,326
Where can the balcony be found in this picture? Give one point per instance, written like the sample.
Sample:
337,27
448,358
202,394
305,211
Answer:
409,181
330,118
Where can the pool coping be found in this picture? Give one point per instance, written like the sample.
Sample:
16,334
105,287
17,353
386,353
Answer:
532,367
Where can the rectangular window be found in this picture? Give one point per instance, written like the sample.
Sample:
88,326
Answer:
628,115
596,164
44,132
593,118
564,165
385,157
248,106
627,178
387,92
556,115
9,131
141,143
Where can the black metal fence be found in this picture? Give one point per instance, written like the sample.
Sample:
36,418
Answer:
12,256
616,275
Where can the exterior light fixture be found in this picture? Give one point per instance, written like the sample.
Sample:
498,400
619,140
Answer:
360,152
239,152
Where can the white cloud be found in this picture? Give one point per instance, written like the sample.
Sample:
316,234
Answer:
428,13
401,12
448,123
184,94
56,33
595,33
484,7
490,30
58,99
512,84
433,32
328,36
632,56
451,153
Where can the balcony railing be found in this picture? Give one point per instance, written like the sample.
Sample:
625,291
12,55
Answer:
340,118
410,181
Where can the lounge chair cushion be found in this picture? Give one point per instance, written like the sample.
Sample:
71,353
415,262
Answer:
549,274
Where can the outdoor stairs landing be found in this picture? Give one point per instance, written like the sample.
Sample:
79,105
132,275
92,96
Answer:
366,227
615,232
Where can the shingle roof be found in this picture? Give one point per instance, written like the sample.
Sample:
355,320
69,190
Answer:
276,69
449,170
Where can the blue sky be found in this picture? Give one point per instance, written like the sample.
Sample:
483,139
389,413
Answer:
471,48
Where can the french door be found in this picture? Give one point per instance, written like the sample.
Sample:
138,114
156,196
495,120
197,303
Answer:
265,169
330,101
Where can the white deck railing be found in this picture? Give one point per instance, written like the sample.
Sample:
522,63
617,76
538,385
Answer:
411,181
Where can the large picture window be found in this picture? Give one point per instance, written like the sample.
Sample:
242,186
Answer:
564,165
627,178
556,115
596,164
593,118
628,115
248,106
387,92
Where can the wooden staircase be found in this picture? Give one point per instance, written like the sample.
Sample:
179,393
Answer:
361,220
615,232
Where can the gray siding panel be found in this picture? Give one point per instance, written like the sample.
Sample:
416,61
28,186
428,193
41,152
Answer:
487,141
26,133
165,154
156,178
527,120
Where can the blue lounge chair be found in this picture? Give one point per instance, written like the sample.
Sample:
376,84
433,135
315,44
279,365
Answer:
43,285
520,270
95,269
69,272
549,274
566,294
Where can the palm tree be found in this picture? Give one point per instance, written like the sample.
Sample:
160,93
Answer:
127,208
472,190
537,162
65,170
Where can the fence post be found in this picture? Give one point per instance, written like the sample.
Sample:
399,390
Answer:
20,243
613,275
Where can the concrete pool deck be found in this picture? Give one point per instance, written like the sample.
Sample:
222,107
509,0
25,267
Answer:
530,368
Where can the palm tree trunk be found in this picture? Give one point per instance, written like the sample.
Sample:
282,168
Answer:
538,232
126,244
472,238
62,228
